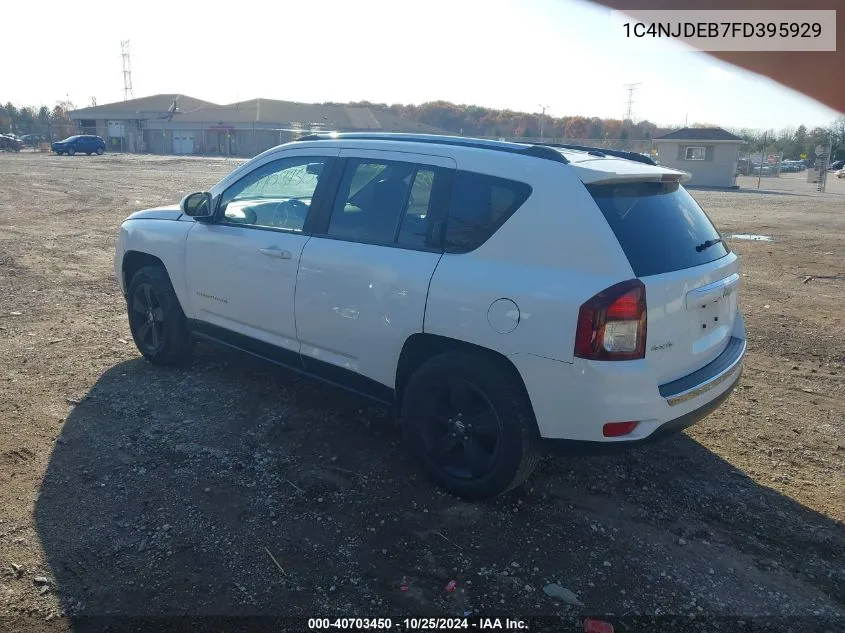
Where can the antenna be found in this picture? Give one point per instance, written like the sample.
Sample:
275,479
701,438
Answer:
629,110
128,93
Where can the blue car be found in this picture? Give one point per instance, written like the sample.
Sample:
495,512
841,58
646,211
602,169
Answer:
79,144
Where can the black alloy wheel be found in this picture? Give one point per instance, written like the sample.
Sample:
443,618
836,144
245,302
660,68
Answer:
156,320
469,424
147,317
461,431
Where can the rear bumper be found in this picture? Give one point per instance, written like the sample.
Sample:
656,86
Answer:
667,429
709,377
573,401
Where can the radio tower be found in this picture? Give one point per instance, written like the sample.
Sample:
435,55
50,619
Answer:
128,93
629,110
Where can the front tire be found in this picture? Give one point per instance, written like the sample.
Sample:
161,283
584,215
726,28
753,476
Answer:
156,320
99,151
71,151
468,423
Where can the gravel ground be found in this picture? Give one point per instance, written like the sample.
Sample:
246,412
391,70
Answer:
127,489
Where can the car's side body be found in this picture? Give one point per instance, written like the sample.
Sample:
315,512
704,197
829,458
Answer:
80,144
353,312
10,143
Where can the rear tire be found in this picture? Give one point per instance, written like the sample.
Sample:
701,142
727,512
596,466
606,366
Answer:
99,151
468,423
156,320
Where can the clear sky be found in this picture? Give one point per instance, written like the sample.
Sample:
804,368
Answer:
518,54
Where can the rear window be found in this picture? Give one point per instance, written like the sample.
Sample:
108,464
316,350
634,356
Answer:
660,226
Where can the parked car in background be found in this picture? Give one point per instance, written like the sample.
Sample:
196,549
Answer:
79,144
9,143
32,140
837,165
439,276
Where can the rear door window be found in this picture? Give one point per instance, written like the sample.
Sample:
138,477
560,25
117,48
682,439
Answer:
660,226
479,205
388,202
372,196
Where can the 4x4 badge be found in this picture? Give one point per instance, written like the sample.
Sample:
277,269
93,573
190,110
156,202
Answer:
657,348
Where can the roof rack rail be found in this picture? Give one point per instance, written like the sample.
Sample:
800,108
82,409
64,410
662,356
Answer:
602,151
532,149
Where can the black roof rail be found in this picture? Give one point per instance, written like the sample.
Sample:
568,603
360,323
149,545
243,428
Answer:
536,150
602,151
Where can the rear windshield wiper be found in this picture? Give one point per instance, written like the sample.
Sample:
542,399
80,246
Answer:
707,244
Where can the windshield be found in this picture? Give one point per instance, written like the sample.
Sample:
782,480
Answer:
70,138
660,226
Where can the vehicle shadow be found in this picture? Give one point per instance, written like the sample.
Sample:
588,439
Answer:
235,488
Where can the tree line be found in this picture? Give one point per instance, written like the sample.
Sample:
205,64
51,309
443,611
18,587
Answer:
32,120
473,120
796,143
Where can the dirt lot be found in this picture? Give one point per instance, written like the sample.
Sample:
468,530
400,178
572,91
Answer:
136,490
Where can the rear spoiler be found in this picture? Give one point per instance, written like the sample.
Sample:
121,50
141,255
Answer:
620,179
623,171
601,151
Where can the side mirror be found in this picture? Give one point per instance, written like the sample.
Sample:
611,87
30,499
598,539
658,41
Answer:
197,205
315,169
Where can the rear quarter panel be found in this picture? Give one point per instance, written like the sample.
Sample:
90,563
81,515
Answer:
553,254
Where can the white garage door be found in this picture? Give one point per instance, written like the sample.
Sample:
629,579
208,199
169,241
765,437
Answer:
183,142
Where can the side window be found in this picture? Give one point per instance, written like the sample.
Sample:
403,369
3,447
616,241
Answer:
479,205
413,230
695,153
371,200
276,195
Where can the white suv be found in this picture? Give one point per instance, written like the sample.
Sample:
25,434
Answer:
502,298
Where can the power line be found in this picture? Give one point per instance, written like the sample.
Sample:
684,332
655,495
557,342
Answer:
128,93
629,110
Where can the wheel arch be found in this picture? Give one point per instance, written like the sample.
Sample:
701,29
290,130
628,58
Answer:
421,347
133,261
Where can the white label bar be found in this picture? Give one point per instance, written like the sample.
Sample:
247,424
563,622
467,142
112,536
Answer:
739,30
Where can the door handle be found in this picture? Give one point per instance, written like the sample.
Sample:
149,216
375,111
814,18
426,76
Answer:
275,252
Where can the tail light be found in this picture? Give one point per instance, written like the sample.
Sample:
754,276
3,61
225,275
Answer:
618,429
612,325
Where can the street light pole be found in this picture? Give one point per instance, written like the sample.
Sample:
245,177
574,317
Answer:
542,119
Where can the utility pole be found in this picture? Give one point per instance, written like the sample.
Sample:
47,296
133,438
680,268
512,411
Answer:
629,110
128,92
762,157
543,108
